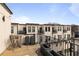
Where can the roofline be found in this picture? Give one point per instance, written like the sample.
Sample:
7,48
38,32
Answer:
32,24
14,23
43,24
6,7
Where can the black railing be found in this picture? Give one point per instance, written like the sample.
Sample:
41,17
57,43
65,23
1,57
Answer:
64,31
40,31
46,51
54,31
67,47
21,32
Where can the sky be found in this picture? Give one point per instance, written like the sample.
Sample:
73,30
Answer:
62,13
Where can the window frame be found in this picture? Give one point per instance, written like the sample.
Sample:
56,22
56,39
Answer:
29,28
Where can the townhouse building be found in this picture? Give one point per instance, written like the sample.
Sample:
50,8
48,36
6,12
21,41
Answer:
51,31
41,33
5,26
27,31
61,33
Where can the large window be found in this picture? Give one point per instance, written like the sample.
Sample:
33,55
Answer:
59,28
33,29
24,30
68,28
46,29
29,29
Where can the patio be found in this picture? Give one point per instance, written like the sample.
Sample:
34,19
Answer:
25,50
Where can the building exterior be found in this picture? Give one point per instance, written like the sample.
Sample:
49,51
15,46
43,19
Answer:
5,26
44,33
25,30
51,31
35,33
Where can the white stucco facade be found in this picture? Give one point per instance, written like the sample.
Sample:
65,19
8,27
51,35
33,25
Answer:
5,28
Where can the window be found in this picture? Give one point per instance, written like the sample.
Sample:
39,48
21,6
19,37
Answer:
46,29
68,35
24,30
29,29
59,37
33,29
59,28
12,29
3,18
68,28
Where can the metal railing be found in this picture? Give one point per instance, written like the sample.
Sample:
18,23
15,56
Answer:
64,47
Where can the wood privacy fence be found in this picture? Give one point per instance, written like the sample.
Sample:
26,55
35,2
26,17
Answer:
15,40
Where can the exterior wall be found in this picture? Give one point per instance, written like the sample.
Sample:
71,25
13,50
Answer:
48,33
61,32
35,33
31,29
14,29
5,29
68,32
58,32
21,26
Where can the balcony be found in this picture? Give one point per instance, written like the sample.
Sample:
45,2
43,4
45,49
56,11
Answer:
22,32
64,31
54,31
40,31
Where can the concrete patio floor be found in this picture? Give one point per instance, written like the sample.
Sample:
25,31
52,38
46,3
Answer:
25,50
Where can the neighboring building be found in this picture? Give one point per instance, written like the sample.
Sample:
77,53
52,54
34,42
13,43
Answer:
26,30
14,28
48,33
5,26
44,31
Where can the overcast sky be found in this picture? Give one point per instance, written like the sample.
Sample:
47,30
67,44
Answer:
45,13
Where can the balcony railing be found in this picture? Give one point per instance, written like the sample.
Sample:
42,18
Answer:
66,48
21,32
64,31
54,31
40,31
